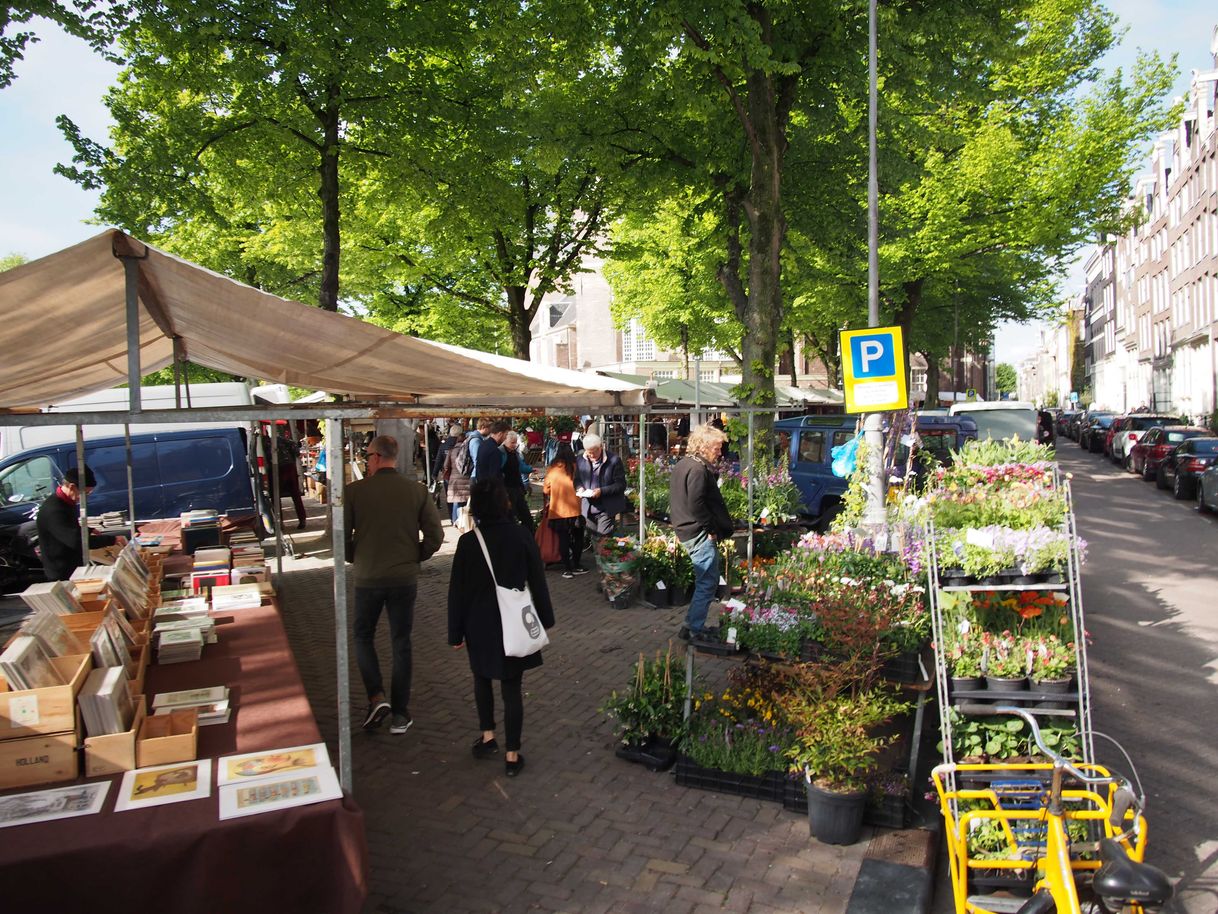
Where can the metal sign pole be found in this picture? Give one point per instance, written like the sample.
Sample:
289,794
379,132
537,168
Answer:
874,515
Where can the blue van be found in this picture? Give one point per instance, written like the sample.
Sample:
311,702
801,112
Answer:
808,442
172,472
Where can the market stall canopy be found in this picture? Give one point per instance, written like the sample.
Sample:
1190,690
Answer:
716,395
65,334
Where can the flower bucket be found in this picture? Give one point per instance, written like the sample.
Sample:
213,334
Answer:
1054,687
835,818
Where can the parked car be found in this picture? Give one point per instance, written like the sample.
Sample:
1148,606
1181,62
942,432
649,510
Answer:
1156,443
1000,418
1076,424
1127,429
1065,419
173,472
1180,469
1207,489
1091,433
808,442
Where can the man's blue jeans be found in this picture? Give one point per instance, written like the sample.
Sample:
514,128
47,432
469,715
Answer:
705,556
398,603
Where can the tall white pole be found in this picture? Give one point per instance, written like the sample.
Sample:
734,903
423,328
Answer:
874,515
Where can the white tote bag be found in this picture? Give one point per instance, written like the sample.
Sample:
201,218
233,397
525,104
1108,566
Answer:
523,633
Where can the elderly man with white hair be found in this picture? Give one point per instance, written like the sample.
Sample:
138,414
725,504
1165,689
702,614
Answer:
600,481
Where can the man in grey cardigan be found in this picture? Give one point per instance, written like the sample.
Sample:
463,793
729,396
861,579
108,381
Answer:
392,525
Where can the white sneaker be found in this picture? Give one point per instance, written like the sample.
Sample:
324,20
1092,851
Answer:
399,724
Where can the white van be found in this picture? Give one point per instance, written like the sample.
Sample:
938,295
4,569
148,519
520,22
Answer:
17,438
1000,418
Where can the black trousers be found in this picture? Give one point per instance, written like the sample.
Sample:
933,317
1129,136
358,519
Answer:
513,708
570,532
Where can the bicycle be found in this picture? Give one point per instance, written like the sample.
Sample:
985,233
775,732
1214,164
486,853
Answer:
1036,827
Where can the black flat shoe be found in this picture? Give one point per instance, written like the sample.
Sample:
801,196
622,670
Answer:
511,769
484,749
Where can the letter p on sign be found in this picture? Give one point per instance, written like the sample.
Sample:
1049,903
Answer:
873,356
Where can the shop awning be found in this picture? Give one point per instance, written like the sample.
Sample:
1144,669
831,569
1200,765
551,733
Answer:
64,334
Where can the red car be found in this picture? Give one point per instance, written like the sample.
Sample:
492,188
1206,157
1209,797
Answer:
1154,446
1127,429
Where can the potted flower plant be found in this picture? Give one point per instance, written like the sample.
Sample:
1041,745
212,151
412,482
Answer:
1052,668
836,745
649,714
1006,667
656,569
963,655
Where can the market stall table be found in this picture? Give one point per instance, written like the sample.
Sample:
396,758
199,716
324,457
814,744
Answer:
180,857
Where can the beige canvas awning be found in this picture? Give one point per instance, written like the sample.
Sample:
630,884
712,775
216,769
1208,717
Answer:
63,333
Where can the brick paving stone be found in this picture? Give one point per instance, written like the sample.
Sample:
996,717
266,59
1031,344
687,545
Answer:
579,831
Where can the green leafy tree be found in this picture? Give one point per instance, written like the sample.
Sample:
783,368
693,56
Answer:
85,19
8,261
1005,378
234,122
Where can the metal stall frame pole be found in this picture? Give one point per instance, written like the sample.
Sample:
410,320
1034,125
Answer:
272,464
336,475
427,452
130,480
83,508
642,478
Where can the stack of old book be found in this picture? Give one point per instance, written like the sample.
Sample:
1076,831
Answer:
175,610
25,664
105,701
212,703
179,645
212,568
236,596
57,597
55,637
200,528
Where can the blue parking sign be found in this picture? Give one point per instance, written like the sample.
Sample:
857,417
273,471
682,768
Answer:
873,356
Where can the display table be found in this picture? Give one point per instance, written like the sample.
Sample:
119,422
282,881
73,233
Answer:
180,857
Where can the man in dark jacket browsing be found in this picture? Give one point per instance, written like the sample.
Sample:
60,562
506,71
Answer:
392,525
58,524
600,479
700,518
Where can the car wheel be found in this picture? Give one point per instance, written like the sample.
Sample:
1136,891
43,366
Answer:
1202,507
1179,488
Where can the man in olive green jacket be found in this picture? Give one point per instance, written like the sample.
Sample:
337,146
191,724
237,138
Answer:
392,525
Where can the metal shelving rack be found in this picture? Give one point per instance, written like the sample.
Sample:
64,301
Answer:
1081,712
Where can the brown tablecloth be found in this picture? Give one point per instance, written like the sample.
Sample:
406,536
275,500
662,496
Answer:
180,857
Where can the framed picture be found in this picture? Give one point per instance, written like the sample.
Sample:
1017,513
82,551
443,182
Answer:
269,794
162,784
241,769
59,803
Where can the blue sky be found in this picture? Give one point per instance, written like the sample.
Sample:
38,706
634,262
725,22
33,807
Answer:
42,212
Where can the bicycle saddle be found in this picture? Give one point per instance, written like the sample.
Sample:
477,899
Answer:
1120,881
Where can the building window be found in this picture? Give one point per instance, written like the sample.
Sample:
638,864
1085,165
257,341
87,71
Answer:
663,374
706,376
636,347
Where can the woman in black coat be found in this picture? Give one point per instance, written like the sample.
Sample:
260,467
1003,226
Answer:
473,614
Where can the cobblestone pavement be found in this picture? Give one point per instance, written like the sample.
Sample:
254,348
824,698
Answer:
578,830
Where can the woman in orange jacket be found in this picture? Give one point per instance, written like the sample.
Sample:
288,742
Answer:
564,506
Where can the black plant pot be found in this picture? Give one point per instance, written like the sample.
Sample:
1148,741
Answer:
657,596
966,684
767,786
1053,686
1000,684
677,595
835,818
656,753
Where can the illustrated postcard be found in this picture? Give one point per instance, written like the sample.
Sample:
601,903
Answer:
162,784
60,803
271,794
241,769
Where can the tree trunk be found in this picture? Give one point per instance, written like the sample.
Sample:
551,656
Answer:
518,321
908,311
328,193
932,381
794,367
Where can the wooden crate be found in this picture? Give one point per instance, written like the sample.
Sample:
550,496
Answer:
139,656
43,759
167,738
33,712
114,752
84,624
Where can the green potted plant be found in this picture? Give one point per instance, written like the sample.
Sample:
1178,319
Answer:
656,568
836,744
649,715
963,656
1006,667
1053,665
